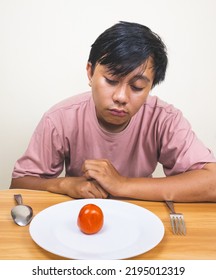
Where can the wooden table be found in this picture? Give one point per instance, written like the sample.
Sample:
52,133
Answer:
198,244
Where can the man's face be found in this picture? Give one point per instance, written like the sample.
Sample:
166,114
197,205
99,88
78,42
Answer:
118,99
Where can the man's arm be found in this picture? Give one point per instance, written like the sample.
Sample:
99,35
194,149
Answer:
76,187
191,186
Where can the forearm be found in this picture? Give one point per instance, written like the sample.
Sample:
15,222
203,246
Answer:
37,183
76,187
192,186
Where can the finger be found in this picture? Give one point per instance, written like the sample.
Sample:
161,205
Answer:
89,194
94,164
95,193
104,194
91,174
88,163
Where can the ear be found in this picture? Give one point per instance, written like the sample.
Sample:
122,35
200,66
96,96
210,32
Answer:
89,71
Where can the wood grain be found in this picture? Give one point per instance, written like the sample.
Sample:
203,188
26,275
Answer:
198,244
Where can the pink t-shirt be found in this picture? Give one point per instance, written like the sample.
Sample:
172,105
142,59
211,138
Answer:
69,133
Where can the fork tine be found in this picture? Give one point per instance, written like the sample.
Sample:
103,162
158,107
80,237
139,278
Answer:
183,227
178,224
177,219
173,224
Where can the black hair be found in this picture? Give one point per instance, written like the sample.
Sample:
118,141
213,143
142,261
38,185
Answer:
125,46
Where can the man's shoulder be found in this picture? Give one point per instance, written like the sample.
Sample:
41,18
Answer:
154,103
71,102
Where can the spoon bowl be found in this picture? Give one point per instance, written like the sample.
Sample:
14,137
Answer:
21,214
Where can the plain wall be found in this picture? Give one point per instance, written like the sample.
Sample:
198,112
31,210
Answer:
44,46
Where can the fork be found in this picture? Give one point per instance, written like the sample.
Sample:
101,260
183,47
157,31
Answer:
177,220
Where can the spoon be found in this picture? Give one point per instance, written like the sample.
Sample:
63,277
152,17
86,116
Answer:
21,214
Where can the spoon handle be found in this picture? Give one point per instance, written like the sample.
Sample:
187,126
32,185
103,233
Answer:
18,198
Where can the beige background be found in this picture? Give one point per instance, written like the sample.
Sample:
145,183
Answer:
44,46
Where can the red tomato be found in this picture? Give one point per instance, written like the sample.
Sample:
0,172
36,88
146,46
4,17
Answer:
90,219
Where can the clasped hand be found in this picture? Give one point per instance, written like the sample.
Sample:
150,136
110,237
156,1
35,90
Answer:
104,173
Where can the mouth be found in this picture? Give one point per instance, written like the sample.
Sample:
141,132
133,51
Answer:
118,112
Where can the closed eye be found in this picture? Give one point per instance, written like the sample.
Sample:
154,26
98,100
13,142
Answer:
134,88
111,82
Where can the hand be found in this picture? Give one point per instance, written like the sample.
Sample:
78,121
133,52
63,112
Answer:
79,187
105,174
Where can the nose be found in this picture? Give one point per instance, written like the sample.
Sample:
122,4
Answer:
120,95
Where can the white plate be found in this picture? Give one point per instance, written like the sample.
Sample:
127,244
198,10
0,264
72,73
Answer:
128,230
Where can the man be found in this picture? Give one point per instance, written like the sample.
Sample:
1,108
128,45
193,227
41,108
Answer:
111,139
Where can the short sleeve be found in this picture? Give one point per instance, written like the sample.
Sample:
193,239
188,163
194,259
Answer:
180,149
44,156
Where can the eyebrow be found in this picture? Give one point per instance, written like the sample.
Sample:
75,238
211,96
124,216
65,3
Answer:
140,77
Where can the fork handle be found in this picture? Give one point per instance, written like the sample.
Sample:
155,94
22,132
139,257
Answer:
169,203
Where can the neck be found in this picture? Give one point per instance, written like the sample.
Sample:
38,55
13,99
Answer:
113,128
